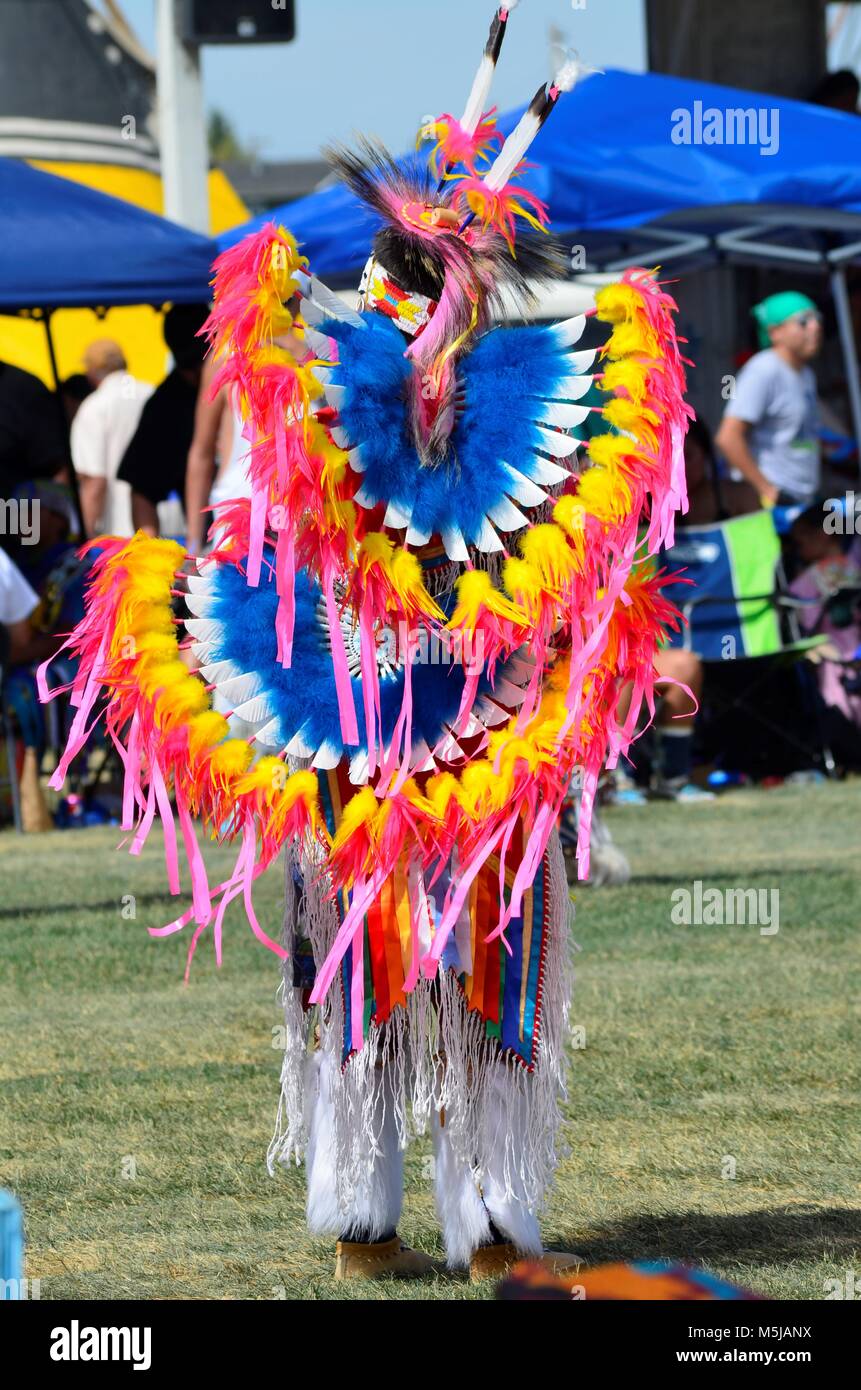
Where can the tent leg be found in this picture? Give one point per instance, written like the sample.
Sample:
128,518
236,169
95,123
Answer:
840,295
73,477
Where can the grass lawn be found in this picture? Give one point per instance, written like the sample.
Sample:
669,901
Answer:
135,1113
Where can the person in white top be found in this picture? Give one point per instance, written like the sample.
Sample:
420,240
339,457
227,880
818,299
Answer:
20,643
101,432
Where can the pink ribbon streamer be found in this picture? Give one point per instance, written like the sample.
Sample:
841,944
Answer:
343,684
357,992
285,585
165,812
79,733
370,686
199,884
257,531
362,897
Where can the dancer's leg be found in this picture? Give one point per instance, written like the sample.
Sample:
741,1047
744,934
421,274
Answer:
372,1210
463,1216
365,1218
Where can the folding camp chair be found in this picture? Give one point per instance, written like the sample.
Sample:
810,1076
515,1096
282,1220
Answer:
743,624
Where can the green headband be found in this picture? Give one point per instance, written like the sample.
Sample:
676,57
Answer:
777,308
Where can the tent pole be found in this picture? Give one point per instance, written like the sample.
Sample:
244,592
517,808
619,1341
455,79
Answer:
840,295
64,424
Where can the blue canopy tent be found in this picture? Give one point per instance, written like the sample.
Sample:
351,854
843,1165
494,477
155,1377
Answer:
647,166
65,246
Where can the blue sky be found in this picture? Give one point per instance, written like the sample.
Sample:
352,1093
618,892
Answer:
383,65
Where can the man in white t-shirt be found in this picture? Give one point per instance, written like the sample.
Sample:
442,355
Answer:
769,432
101,432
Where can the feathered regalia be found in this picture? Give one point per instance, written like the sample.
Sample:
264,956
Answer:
406,642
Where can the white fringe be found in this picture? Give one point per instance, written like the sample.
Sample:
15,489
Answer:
501,1121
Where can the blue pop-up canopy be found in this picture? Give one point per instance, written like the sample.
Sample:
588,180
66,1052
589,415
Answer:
647,169
627,150
63,246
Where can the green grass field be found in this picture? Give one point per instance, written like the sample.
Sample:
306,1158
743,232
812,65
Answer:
135,1113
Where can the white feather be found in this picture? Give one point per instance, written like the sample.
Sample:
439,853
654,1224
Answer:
359,769
312,288
507,693
354,459
478,94
298,748
580,361
548,473
506,516
513,151
455,545
570,388
215,671
204,630
571,72
559,445
491,714
200,583
270,735
258,710
335,395
326,757
523,489
364,498
238,689
323,346
486,538
396,517
564,415
312,314
569,331
200,605
417,537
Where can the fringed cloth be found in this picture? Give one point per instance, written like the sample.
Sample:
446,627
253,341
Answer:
483,1040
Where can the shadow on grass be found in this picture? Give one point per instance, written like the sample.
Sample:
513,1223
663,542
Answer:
714,874
52,909
768,1237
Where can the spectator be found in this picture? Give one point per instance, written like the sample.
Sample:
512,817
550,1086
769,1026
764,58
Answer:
18,602
22,644
32,443
219,454
710,497
830,584
769,429
216,459
155,460
101,432
680,673
73,391
839,90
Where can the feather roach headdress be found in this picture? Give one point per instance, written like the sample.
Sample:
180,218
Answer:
446,257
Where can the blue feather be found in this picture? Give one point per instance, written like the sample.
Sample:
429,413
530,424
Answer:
503,374
304,694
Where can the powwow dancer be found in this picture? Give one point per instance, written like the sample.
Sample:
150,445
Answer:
425,615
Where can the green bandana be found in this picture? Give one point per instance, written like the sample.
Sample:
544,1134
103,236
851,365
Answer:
777,308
